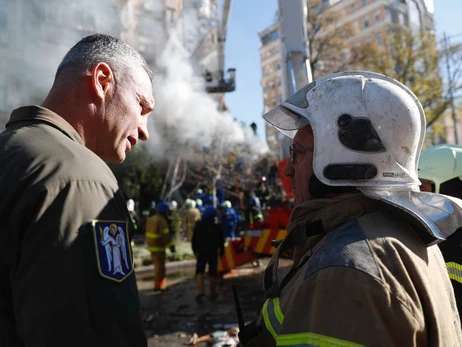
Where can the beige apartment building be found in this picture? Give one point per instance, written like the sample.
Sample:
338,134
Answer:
271,60
368,20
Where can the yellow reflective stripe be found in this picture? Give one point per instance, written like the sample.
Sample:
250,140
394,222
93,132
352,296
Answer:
455,271
152,236
267,321
166,230
278,311
312,339
156,249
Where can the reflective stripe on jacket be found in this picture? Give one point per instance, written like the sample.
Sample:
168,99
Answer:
273,317
157,233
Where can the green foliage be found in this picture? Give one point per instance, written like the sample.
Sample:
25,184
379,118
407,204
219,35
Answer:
412,58
326,39
139,177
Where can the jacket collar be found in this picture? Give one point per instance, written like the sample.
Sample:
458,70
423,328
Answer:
309,223
39,114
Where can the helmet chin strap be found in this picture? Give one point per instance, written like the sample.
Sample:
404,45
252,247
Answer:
320,190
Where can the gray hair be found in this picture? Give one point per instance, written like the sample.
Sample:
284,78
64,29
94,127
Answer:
101,48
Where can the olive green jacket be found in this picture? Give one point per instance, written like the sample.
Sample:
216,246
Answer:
55,287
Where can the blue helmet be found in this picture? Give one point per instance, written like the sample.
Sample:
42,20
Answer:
152,204
209,212
163,207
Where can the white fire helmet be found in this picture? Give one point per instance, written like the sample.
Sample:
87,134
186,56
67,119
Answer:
173,205
368,128
190,203
130,205
440,164
226,204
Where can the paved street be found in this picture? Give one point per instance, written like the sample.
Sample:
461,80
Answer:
171,317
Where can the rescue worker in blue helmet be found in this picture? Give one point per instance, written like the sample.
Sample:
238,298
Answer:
230,220
366,270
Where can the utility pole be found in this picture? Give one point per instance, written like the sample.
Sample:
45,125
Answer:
451,89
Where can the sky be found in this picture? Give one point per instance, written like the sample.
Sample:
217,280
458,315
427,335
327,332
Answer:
247,18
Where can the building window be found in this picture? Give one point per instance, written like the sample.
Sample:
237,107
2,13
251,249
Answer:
352,8
390,16
278,66
414,16
366,23
377,17
363,2
170,15
270,37
279,82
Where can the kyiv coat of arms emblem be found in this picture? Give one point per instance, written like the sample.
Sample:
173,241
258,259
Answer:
113,250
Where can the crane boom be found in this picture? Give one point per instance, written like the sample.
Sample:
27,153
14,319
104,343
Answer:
296,71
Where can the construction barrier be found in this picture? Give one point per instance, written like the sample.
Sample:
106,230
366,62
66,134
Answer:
254,244
235,255
259,241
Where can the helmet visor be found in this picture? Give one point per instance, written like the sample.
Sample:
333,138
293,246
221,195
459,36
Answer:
286,120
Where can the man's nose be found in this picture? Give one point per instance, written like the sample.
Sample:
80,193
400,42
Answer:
143,133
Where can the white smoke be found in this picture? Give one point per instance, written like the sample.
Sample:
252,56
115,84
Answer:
186,119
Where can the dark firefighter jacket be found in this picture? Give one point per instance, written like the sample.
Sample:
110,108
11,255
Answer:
65,259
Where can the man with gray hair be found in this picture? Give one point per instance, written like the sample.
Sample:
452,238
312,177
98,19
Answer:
65,256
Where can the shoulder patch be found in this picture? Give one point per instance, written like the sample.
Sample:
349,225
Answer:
113,250
347,246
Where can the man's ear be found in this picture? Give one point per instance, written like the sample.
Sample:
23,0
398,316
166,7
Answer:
102,79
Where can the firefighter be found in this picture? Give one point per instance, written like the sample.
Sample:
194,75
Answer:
152,208
366,270
133,215
200,206
262,192
158,238
192,216
440,171
253,212
230,220
177,220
